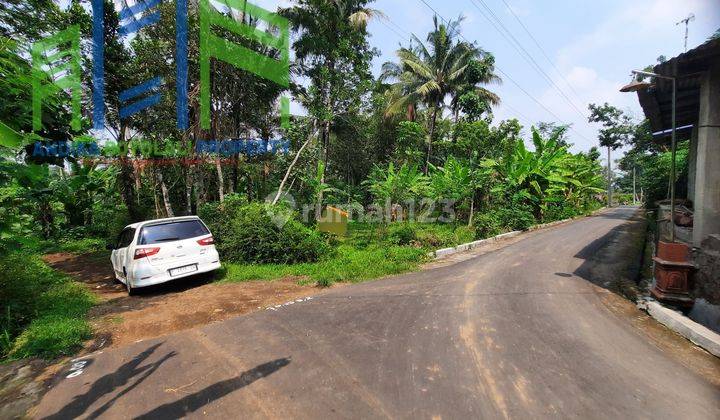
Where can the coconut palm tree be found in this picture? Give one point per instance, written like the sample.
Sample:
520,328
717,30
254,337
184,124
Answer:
428,73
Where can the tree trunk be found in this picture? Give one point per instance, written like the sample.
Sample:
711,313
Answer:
290,168
221,189
198,186
188,190
326,141
472,209
165,195
455,122
324,157
158,210
430,139
127,187
609,178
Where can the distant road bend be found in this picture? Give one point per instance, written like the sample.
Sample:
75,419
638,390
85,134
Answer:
519,332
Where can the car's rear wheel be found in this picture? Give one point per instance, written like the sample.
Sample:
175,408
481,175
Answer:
130,290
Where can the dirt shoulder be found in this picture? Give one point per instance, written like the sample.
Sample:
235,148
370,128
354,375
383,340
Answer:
121,319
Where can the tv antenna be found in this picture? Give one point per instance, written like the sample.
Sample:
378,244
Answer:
686,21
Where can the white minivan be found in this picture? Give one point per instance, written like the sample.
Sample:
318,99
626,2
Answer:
159,251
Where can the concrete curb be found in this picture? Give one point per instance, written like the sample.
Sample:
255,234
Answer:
698,334
468,246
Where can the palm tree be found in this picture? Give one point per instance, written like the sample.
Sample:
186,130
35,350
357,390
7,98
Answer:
428,72
479,72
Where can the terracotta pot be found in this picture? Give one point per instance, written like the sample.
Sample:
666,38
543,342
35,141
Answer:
675,252
673,274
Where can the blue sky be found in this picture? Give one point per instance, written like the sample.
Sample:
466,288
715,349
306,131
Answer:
593,44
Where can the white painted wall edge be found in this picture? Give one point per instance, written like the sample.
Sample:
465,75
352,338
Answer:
698,334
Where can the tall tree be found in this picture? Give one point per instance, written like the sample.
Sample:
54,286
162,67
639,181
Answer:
430,72
333,52
616,130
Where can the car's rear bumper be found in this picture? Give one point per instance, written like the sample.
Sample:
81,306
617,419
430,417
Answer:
149,276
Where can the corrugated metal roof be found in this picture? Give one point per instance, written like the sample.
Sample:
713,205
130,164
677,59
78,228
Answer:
689,67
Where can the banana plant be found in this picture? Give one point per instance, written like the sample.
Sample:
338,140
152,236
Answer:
549,174
396,184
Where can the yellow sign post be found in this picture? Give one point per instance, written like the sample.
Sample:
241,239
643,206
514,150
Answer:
334,221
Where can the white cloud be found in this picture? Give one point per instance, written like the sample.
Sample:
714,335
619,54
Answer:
590,87
637,23
596,64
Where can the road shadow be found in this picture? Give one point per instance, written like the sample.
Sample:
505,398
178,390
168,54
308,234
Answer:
192,402
613,261
110,382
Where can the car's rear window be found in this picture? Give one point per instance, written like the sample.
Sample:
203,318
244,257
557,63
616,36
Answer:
173,231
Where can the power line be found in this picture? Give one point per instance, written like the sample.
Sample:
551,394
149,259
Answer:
517,45
542,50
401,36
511,79
528,121
508,76
399,27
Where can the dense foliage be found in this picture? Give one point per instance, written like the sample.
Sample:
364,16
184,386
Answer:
40,307
258,233
415,155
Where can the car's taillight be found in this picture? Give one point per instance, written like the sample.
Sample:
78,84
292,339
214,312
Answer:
206,241
145,252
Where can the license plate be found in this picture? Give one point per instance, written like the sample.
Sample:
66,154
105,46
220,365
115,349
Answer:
183,270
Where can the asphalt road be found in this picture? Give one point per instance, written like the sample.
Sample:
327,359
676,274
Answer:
519,332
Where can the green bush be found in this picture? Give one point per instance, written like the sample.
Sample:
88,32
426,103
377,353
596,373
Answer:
42,310
515,217
401,233
559,211
254,233
463,235
82,246
108,222
486,225
428,235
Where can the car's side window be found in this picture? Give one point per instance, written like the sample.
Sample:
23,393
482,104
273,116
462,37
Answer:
129,238
126,238
120,238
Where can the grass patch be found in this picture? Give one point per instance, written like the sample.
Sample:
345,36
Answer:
43,310
51,336
78,246
347,264
368,252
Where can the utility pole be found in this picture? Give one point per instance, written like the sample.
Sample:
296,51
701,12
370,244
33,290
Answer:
609,178
686,21
634,190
